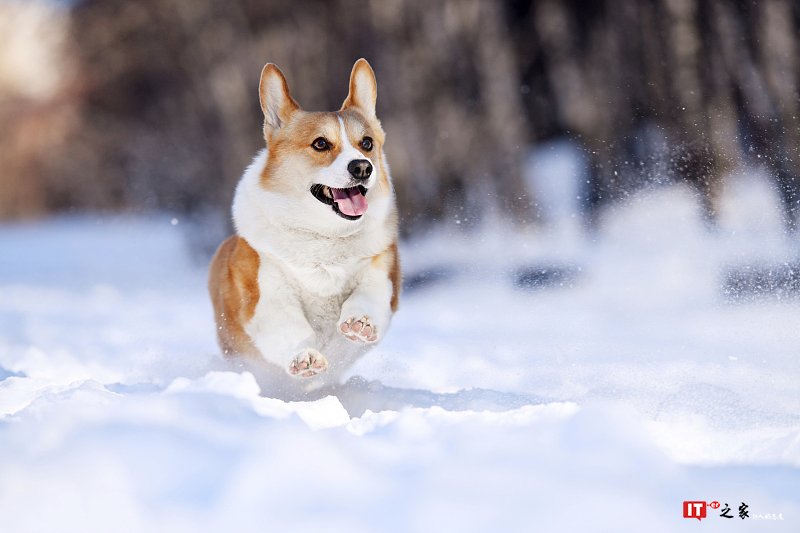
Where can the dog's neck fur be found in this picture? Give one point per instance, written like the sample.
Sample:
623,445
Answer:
310,241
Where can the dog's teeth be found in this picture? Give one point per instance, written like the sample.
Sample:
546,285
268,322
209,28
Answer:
327,192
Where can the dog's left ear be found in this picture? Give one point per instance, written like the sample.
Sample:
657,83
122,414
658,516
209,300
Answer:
276,102
363,89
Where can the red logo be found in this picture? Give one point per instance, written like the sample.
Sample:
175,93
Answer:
694,510
714,505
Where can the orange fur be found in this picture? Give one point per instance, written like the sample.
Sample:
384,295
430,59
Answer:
233,285
296,137
304,127
389,261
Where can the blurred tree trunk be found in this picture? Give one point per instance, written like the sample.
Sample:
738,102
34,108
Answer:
163,111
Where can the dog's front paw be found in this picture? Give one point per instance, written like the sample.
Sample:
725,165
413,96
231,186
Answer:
307,364
359,329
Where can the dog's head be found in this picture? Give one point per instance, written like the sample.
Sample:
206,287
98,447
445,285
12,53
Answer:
327,167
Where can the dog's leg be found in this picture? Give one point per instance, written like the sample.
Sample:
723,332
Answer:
282,333
366,313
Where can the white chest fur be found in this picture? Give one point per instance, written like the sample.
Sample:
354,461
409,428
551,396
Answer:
311,263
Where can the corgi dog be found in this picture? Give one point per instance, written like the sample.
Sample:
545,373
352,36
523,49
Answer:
311,279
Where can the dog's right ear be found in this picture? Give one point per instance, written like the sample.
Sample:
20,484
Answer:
276,102
363,89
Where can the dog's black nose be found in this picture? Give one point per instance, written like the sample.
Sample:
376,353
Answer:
360,169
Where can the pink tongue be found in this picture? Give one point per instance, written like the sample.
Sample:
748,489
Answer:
350,201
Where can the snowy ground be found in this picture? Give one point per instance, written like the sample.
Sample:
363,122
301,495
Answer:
599,404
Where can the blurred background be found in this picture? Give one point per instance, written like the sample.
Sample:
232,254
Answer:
110,105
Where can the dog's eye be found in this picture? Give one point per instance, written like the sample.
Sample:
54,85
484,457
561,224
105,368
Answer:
321,144
366,143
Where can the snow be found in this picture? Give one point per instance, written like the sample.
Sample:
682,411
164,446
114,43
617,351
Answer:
599,403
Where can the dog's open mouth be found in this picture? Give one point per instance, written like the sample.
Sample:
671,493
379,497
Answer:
349,203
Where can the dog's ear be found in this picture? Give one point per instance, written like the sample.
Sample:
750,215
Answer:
276,102
363,89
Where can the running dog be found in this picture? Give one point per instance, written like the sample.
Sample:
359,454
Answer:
311,279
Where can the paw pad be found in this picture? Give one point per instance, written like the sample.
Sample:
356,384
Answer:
307,364
359,329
